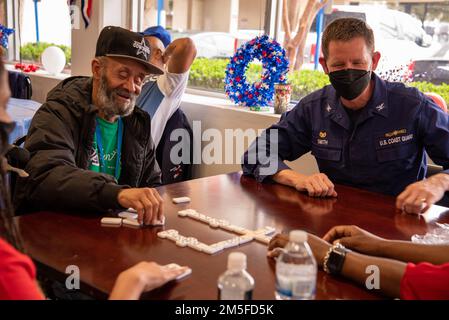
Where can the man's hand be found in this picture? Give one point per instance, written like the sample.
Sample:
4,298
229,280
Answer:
143,277
355,238
316,185
279,241
179,55
146,201
419,196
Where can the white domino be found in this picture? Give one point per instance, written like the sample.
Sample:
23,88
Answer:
132,210
234,242
192,242
181,243
162,234
193,214
131,223
263,238
111,221
210,249
222,223
214,223
245,239
228,227
262,235
177,266
157,223
269,230
183,213
239,230
128,215
243,231
172,235
181,200
198,246
218,245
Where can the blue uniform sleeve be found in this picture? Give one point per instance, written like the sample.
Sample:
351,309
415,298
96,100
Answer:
434,132
289,139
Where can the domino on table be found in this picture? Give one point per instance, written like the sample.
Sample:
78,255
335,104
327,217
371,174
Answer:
177,266
128,215
245,239
131,223
181,200
111,221
263,238
234,242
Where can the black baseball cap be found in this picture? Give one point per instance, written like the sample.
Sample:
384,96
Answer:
119,42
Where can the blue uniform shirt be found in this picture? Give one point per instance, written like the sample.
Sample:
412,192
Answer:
384,151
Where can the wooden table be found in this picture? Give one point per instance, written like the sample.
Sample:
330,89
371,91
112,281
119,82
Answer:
56,240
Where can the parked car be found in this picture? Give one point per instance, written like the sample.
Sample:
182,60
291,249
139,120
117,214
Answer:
399,37
434,70
442,32
218,44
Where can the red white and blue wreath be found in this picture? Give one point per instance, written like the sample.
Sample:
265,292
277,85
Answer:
275,68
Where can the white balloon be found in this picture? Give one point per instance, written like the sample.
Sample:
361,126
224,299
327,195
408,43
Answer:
53,60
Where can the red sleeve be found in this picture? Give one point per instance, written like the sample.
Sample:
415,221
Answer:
17,275
425,281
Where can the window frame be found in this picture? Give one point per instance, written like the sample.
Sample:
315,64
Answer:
272,27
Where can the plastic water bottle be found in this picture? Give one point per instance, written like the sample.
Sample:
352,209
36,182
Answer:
236,283
296,269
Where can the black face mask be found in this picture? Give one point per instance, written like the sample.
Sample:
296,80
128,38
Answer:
5,130
350,83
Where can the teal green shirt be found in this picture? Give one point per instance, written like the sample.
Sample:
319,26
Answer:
109,135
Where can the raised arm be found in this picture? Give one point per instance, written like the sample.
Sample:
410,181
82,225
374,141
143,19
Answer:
179,55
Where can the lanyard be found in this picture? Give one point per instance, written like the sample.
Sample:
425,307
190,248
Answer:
119,147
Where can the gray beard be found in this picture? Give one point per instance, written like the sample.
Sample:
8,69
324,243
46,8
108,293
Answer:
107,99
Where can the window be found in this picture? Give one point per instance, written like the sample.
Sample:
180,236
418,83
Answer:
33,36
217,27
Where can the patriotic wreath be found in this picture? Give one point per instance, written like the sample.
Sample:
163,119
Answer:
275,68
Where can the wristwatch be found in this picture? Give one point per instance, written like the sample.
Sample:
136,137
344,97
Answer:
334,259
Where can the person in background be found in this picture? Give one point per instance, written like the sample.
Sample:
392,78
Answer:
161,97
17,271
407,270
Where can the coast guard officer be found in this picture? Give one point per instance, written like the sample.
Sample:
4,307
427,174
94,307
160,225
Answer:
364,132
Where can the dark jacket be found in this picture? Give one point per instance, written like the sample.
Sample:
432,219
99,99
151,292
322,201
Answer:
20,85
60,140
176,172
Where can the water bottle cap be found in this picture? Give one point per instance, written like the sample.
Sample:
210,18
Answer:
298,236
236,260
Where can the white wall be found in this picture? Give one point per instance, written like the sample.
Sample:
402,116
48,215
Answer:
251,14
222,15
104,13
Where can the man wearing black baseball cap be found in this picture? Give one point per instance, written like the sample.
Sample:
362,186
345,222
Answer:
161,98
91,149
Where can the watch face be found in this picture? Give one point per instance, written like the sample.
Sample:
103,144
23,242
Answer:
336,260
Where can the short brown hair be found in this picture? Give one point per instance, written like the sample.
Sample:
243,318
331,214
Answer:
346,29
